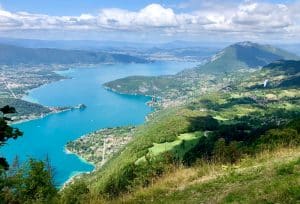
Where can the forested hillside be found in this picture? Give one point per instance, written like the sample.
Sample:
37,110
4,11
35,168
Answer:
211,137
13,55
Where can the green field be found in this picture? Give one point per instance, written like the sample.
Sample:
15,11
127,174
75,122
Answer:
179,147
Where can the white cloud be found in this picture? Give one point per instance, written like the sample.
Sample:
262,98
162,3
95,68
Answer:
157,16
263,16
246,19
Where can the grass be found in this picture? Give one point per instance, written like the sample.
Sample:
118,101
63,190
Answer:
236,110
220,118
270,177
169,146
180,146
290,93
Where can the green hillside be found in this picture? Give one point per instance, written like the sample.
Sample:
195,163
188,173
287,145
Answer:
244,55
224,143
267,178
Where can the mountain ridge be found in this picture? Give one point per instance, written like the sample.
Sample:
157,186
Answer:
13,55
244,55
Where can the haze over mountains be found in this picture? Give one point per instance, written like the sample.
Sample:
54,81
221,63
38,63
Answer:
244,54
104,45
72,44
13,55
175,50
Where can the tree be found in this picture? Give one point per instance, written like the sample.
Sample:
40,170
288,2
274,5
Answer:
279,137
30,183
7,132
226,153
220,150
75,193
8,109
38,182
233,152
203,123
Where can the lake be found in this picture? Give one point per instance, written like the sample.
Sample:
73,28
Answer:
47,137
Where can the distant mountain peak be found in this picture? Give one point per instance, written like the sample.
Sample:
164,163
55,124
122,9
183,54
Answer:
244,55
246,44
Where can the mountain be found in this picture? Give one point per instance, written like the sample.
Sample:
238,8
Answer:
73,44
226,145
157,51
244,55
12,55
98,44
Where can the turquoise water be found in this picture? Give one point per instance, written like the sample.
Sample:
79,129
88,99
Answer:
47,136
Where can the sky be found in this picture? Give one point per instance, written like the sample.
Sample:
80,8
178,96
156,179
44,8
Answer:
152,20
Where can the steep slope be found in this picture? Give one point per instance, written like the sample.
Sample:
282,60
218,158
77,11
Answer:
244,55
224,127
12,55
268,178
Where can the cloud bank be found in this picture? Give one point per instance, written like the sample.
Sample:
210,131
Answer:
247,19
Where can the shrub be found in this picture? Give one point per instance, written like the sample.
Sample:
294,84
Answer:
279,137
75,193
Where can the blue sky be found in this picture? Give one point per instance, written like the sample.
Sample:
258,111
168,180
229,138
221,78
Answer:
158,20
75,7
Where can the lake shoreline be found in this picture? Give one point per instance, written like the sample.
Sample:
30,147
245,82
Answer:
100,114
76,174
61,72
67,151
62,69
42,116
